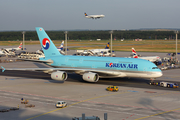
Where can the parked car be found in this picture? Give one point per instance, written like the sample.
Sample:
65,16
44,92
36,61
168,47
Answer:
112,88
60,104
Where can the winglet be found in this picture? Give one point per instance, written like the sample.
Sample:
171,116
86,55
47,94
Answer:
3,69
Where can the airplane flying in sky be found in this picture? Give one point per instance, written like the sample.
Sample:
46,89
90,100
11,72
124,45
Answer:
90,67
17,48
94,16
153,59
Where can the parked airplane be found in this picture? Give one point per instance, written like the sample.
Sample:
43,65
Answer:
6,52
13,49
90,67
154,59
96,52
1,53
102,50
94,16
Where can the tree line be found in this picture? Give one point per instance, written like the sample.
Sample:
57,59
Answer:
90,35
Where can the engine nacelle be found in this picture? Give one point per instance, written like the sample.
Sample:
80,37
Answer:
59,75
90,77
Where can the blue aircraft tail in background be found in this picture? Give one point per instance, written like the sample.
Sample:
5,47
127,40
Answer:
107,46
85,14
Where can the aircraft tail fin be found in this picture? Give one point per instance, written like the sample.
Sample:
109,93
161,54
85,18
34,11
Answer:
107,46
20,46
85,14
48,46
134,53
61,46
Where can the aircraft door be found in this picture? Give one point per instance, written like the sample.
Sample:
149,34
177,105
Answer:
66,59
145,69
81,60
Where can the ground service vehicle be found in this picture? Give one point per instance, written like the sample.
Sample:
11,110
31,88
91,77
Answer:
60,104
165,84
112,88
23,101
87,118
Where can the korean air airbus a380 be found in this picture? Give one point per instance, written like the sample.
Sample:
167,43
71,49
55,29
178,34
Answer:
90,67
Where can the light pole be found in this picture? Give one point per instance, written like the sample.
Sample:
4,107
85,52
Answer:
111,32
23,39
66,41
176,32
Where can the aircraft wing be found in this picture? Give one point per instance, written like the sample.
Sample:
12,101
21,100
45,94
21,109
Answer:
41,61
75,70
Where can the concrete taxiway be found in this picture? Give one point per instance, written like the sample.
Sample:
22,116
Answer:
135,99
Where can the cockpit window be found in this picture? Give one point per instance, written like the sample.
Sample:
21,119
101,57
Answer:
155,68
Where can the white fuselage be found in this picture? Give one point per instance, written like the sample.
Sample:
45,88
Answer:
95,16
99,50
1,52
11,49
150,58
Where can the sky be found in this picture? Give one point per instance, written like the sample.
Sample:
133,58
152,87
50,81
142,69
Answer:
17,15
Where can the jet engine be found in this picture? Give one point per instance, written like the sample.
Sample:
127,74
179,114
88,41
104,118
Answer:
90,77
59,75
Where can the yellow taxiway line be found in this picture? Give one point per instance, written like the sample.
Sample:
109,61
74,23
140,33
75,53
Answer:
158,114
75,104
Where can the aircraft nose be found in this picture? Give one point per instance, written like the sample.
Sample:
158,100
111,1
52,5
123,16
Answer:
159,74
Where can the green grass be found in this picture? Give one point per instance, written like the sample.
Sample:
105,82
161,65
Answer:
140,46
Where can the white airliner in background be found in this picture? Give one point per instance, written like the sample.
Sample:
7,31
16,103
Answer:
12,49
153,59
94,16
96,52
1,52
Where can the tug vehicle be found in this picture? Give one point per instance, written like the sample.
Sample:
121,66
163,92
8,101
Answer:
165,84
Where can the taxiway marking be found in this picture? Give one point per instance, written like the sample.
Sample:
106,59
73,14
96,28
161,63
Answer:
158,114
75,104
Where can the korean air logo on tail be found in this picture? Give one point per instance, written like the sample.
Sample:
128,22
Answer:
45,43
